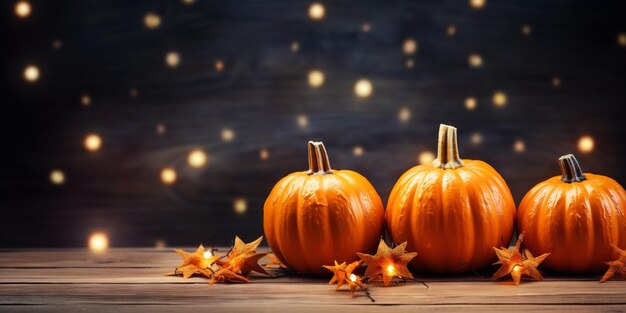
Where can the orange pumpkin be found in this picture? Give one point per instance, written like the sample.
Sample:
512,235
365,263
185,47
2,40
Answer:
315,217
452,212
576,217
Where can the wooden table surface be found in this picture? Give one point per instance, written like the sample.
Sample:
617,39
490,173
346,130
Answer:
133,280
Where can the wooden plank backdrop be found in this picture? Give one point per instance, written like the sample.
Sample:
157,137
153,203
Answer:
102,49
133,280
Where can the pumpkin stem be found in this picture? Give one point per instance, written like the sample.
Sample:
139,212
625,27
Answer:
570,169
318,159
447,149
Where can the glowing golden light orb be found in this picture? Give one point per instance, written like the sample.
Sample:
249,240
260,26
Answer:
23,9
470,103
152,20
93,142
316,78
98,242
499,99
426,157
219,65
240,206
556,81
31,73
295,46
172,59
57,177
621,39
228,134
85,100
264,154
586,144
363,88
189,2
475,60
517,268
316,11
477,4
197,158
409,46
404,115
207,254
519,146
476,138
451,30
303,121
358,151
168,175
526,30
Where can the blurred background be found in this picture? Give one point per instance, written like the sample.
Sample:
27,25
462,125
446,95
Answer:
167,123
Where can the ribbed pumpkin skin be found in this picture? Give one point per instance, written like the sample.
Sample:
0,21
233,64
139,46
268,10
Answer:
313,220
576,222
451,217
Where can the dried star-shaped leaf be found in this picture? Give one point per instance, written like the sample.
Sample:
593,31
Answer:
516,264
227,276
241,247
274,261
616,267
194,262
341,273
245,263
388,262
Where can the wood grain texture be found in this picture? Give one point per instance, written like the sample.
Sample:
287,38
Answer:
133,280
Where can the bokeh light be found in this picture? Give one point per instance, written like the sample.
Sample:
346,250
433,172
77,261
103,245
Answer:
160,244
409,46
219,65
168,175
476,138
160,129
98,242
85,100
621,39
295,46
316,11
499,99
519,146
93,142
586,144
133,92
316,78
363,88
57,177
366,27
172,59
228,134
477,4
556,81
23,9
404,115
451,30
264,154
358,151
57,44
197,158
240,206
426,157
409,63
152,20
31,73
475,60
470,103
303,121
526,30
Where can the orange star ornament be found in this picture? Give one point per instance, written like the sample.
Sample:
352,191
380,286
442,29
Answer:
388,263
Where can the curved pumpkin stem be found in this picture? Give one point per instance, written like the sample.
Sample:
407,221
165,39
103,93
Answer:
318,159
447,149
570,169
